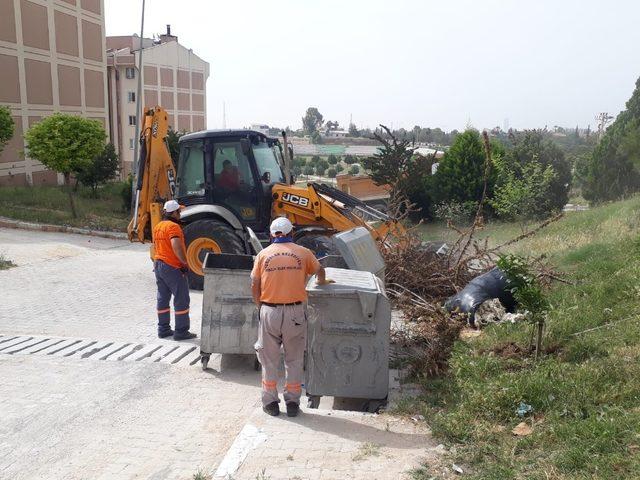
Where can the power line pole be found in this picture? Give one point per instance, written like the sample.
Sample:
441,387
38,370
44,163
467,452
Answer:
224,115
136,143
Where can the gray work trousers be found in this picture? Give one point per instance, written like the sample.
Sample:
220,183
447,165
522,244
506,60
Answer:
284,325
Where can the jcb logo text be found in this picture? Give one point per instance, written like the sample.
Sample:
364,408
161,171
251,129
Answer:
295,199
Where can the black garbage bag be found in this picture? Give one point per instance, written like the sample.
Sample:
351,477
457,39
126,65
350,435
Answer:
487,286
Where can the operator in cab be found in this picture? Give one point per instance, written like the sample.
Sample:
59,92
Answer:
229,177
170,266
278,282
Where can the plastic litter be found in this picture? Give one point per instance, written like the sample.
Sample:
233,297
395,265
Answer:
524,409
492,284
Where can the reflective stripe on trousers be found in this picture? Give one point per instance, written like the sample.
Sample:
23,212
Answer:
171,281
284,325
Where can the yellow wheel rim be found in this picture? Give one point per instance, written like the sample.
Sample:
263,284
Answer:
197,250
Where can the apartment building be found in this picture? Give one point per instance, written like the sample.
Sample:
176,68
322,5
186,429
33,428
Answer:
52,59
172,76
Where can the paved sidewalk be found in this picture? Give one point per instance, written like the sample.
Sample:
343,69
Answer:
79,286
69,417
331,445
66,418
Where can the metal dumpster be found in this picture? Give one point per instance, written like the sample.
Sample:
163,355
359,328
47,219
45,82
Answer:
360,252
348,337
229,315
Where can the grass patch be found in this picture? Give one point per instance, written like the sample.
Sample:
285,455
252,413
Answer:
365,450
51,205
585,393
200,475
5,263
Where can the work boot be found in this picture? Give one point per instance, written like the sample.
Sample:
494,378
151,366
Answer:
272,409
166,333
184,336
293,409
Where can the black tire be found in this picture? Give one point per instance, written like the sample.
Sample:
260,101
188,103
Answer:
313,401
220,233
321,245
204,360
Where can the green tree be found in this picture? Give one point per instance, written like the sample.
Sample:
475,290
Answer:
103,168
539,169
332,159
350,159
7,126
612,171
173,137
65,144
316,138
396,164
353,130
126,193
315,160
312,121
523,194
331,125
339,168
460,174
354,170
309,170
331,173
320,169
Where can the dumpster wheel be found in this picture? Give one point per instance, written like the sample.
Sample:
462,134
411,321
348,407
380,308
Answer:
313,401
374,405
204,360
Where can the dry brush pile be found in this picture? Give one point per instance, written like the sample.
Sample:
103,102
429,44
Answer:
420,277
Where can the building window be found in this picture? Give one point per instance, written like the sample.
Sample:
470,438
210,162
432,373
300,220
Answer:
131,143
131,97
132,119
130,72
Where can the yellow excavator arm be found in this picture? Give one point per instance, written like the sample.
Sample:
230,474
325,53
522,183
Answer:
155,178
327,207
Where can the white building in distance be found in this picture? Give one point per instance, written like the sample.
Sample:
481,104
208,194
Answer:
172,76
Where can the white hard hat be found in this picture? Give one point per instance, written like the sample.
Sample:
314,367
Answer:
171,206
281,225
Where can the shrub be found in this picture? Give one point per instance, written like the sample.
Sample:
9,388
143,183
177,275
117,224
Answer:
103,168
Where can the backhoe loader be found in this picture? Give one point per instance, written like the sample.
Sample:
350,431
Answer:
231,184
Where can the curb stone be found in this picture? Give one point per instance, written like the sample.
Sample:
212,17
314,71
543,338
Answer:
43,227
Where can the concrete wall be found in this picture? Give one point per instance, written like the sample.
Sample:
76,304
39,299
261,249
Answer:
362,187
51,60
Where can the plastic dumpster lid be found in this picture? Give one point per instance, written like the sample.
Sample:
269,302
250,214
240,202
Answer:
365,285
359,250
345,281
227,261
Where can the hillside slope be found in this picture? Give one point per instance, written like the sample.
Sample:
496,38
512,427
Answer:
585,392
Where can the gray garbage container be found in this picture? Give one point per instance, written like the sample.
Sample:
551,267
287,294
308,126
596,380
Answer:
229,315
360,252
348,337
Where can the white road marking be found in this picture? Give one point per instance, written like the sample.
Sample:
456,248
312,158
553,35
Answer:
249,438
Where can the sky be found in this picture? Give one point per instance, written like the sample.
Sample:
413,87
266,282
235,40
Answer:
445,63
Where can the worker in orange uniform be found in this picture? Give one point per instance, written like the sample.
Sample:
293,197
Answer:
278,282
171,270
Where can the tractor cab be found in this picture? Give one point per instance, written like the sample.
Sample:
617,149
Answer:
230,173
